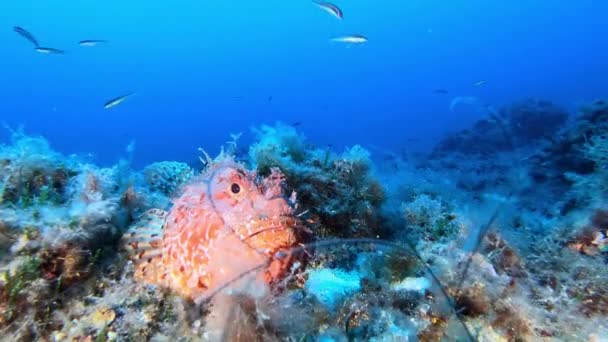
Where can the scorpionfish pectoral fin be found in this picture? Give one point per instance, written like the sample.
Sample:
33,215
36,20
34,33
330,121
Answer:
143,242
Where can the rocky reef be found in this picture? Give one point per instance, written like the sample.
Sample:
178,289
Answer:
513,126
546,249
577,160
499,234
60,220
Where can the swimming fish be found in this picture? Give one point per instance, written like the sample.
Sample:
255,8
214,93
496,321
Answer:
471,101
91,42
225,223
116,101
49,51
27,35
479,83
352,39
440,91
330,8
131,147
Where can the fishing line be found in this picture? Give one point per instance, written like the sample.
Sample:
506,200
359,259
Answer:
355,241
358,241
480,236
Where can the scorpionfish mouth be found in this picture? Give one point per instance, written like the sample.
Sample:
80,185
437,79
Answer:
273,238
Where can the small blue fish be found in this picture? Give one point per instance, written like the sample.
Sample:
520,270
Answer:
330,8
49,51
91,42
352,39
116,101
25,34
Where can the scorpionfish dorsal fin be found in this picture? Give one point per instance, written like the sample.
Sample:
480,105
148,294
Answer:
143,242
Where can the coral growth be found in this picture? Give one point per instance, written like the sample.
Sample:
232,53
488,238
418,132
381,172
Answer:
59,216
32,173
167,177
429,218
338,192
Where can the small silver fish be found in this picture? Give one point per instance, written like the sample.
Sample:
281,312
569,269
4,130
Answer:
116,101
131,147
471,101
330,8
482,82
352,39
49,51
25,34
91,42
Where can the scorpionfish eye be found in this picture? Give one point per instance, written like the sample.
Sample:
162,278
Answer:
235,188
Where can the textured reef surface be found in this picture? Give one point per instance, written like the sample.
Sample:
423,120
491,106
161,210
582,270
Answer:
498,234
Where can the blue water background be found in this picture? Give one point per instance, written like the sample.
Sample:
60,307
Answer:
205,68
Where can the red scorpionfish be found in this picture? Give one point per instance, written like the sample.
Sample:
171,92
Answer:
225,223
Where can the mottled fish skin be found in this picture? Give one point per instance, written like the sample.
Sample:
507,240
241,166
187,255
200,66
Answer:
116,101
223,224
91,42
49,51
27,35
330,8
353,39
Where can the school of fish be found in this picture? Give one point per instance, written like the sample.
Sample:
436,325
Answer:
328,7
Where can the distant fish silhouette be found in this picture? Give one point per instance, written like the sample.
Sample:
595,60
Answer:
25,34
330,8
91,42
131,147
49,51
116,101
297,123
352,39
440,91
269,98
480,83
472,104
464,100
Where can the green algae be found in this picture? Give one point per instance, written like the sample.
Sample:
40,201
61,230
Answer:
27,272
401,265
103,334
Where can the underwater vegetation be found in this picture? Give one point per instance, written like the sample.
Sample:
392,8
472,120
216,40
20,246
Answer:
338,192
577,160
31,173
499,234
167,177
